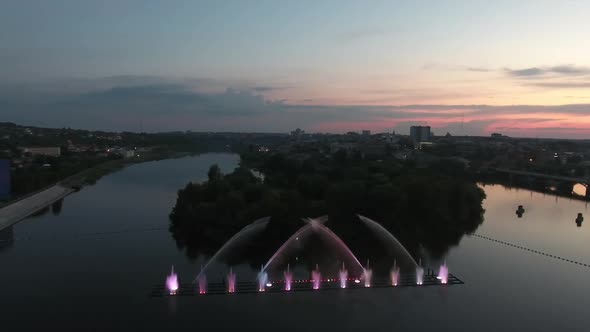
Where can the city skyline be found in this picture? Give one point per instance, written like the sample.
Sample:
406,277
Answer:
469,68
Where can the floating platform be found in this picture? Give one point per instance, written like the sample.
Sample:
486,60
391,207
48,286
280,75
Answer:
220,288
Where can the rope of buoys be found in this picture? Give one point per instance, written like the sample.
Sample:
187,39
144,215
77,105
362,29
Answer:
530,250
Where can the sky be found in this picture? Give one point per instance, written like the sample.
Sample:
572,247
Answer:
521,68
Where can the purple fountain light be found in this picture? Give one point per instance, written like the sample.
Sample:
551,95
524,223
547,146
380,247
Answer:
343,276
316,277
172,282
202,284
394,274
231,281
443,273
288,279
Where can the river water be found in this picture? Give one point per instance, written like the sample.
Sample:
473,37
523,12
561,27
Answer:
92,265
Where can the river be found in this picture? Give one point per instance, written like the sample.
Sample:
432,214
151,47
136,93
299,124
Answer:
92,264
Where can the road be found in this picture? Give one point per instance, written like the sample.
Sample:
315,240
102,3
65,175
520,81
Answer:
19,210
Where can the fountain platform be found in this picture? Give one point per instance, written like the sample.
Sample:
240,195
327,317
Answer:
220,288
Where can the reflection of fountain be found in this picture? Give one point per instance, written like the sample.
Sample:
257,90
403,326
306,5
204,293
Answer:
394,274
251,229
262,278
316,278
172,282
231,281
443,273
395,248
288,279
343,276
367,274
419,274
315,226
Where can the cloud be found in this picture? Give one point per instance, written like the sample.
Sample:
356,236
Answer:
562,70
269,88
438,66
562,85
167,104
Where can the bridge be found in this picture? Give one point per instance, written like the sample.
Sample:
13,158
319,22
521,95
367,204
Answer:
570,179
19,210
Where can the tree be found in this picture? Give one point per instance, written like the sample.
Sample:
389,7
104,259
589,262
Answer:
214,173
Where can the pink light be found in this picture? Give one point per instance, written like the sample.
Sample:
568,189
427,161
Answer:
172,282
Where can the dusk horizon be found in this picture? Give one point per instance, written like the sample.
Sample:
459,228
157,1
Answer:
331,66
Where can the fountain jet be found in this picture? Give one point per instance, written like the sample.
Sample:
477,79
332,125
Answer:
443,273
172,282
288,279
419,274
367,274
202,283
343,276
316,278
262,278
252,228
231,281
394,274
394,247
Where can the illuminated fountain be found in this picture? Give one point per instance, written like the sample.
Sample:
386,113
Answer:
394,248
231,281
202,284
172,282
394,274
443,273
316,278
233,243
288,279
295,242
262,279
367,274
343,276
419,274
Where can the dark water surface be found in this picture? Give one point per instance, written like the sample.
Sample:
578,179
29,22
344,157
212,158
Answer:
92,266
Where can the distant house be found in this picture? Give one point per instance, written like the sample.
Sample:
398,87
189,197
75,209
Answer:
50,151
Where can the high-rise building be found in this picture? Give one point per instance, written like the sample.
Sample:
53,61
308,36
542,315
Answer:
366,133
420,134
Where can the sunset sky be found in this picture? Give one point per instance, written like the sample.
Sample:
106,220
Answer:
521,68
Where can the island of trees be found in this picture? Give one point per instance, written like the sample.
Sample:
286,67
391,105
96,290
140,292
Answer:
427,208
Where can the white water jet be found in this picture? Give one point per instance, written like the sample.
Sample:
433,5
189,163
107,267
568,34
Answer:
231,281
343,276
394,274
288,279
262,279
367,275
419,274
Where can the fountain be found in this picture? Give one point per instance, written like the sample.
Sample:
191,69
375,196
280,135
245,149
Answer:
231,281
394,247
316,278
343,276
172,282
394,274
262,278
443,273
288,279
367,273
315,226
202,283
419,274
250,229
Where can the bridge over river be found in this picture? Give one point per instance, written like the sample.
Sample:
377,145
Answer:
22,208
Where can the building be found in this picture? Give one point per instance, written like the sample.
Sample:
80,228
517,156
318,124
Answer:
420,134
51,151
4,178
366,133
